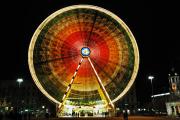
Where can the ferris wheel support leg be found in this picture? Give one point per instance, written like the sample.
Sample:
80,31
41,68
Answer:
102,86
68,90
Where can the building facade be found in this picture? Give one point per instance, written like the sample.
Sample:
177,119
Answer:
24,99
173,105
169,102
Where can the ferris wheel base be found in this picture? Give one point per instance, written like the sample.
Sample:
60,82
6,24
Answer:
86,111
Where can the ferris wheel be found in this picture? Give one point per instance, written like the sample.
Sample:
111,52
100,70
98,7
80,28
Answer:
84,54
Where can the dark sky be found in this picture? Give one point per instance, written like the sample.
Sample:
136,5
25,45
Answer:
158,51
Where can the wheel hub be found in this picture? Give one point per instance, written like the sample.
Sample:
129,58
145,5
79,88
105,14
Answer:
85,51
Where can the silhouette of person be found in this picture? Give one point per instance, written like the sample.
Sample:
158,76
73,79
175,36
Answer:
125,115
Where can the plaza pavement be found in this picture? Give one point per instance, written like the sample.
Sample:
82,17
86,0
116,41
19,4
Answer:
116,118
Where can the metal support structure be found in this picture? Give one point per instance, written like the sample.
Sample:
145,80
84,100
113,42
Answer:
103,92
66,94
152,89
102,86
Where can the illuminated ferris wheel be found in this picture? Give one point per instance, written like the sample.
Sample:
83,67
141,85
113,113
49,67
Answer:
83,54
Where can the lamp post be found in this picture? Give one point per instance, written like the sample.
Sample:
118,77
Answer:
151,78
19,80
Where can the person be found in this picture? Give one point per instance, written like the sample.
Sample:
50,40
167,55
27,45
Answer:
173,111
46,115
125,115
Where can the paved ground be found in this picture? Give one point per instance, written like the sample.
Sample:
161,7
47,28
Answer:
117,118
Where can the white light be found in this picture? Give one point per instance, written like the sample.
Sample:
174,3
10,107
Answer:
26,110
69,106
150,77
43,106
19,80
67,102
158,95
128,111
64,97
6,108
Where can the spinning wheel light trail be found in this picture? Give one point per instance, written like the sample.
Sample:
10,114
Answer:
103,45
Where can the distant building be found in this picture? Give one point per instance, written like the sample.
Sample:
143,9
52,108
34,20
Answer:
169,102
24,99
173,105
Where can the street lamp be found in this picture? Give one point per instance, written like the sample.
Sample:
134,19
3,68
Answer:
19,80
43,107
151,78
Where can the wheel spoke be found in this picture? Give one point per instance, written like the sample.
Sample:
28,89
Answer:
70,84
79,24
101,84
55,59
66,44
94,21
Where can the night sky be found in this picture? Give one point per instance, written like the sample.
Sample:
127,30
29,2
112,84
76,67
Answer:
20,20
